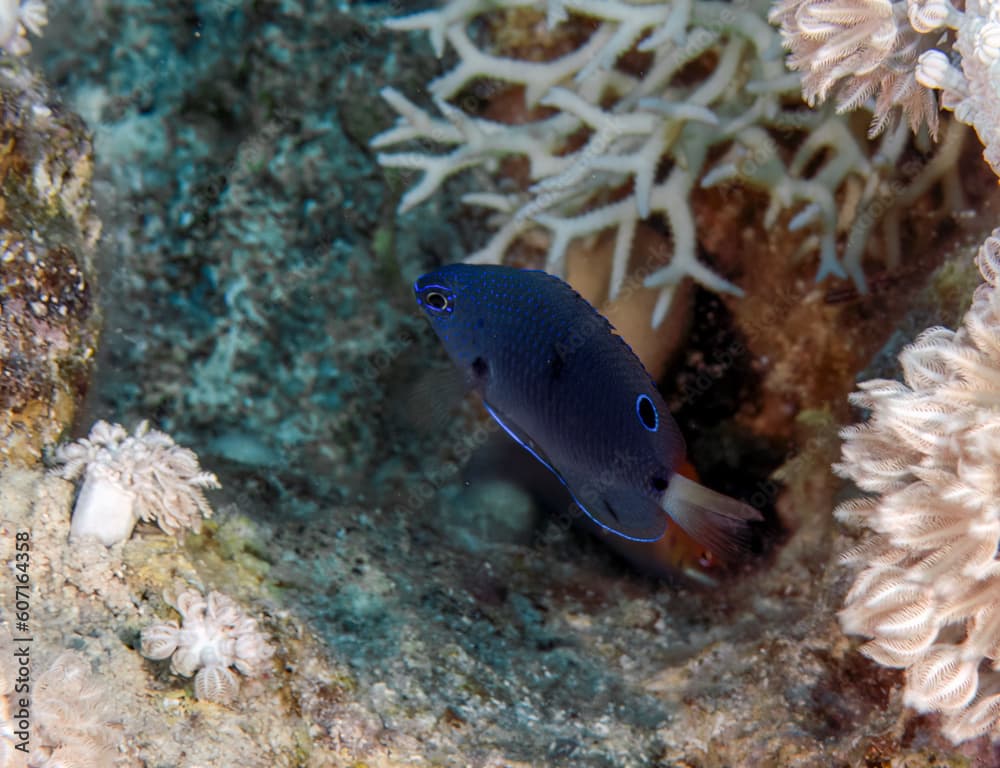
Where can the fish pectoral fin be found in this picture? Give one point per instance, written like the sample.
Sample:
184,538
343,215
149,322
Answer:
432,399
716,521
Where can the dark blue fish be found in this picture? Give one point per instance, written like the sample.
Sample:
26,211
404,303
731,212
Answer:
561,382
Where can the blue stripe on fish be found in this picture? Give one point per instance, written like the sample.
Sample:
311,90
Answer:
558,379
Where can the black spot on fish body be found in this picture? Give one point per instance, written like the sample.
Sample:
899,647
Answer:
611,511
556,364
480,370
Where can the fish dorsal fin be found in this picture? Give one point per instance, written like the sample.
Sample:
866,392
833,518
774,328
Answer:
623,511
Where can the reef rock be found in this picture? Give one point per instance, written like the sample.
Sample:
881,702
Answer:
48,230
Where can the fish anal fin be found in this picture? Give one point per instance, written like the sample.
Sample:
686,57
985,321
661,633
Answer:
621,509
720,523
522,438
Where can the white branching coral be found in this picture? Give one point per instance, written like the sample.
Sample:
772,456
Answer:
929,592
974,92
127,478
17,18
613,146
215,635
68,722
864,49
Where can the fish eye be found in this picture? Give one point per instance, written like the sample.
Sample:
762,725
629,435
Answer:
438,300
646,412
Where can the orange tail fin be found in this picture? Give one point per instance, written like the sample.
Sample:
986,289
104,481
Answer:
675,551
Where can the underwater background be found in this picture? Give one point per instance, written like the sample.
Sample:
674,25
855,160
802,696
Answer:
199,232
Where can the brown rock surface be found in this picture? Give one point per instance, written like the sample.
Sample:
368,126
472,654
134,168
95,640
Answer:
48,319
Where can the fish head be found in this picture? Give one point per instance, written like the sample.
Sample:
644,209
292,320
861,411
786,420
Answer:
450,298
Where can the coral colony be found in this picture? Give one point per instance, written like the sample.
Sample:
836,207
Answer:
638,124
861,50
214,636
127,478
886,49
972,92
928,454
927,594
146,476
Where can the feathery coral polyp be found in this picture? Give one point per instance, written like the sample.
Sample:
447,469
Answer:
973,92
127,478
70,721
861,48
214,636
17,18
928,596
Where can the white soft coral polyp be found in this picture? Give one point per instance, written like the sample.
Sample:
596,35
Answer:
927,597
214,636
17,18
127,478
